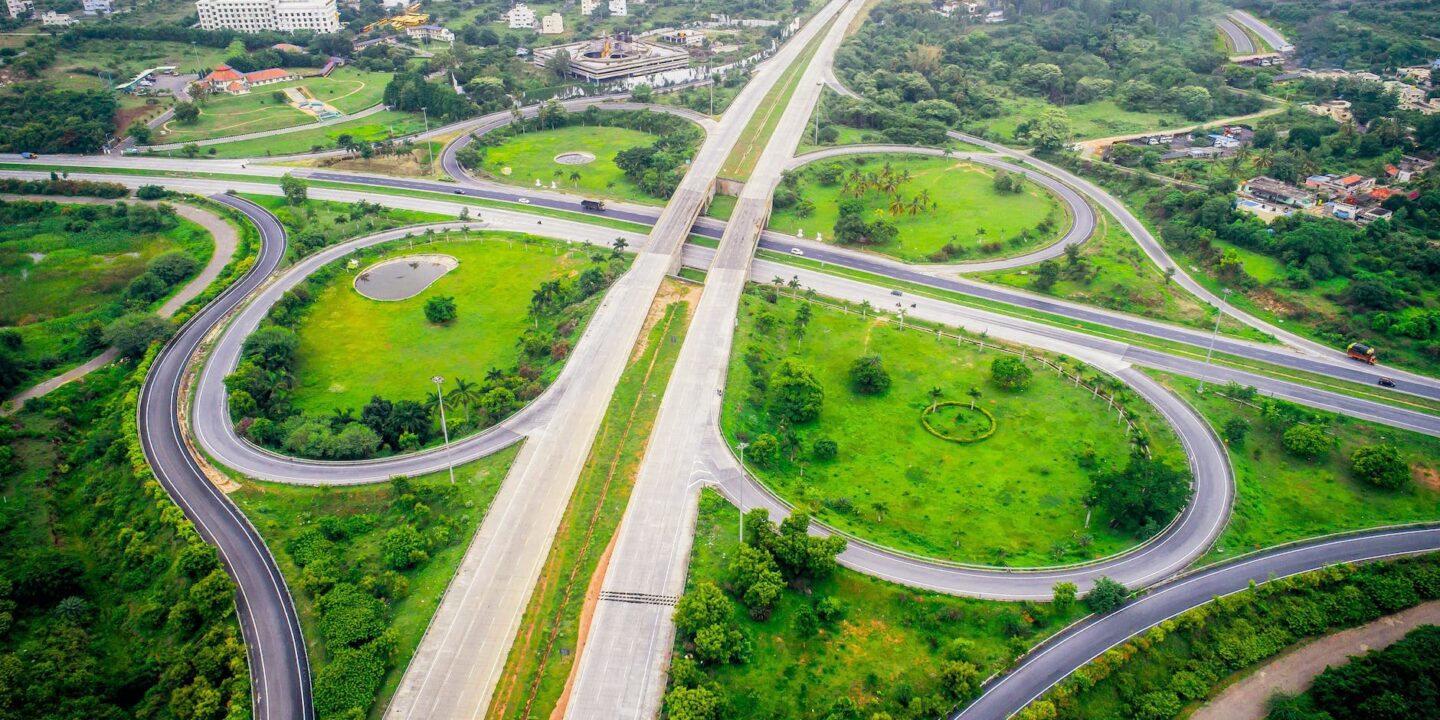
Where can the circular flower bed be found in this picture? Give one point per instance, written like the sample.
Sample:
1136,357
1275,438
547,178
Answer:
965,431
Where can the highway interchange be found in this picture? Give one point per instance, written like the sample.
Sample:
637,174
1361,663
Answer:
459,661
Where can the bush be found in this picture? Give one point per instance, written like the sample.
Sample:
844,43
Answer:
764,451
146,288
1011,373
1306,441
1235,431
825,448
868,375
172,267
348,683
1381,466
132,334
1107,595
349,616
150,192
403,547
440,309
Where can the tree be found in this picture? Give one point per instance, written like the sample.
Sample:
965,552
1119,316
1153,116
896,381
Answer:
618,246
1306,441
190,150
172,267
440,309
187,113
1047,275
1235,432
271,347
958,678
1064,596
139,132
296,190
1048,133
641,93
798,394
1381,466
403,547
868,375
1142,496
692,703
757,580
700,608
1106,596
1011,373
800,554
825,448
132,334
764,451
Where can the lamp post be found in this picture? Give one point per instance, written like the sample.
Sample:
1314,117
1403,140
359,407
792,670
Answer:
741,504
444,429
819,108
1219,313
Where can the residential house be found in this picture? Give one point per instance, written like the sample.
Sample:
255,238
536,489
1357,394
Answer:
552,24
20,8
97,7
54,19
225,79
520,17
1337,110
1272,190
1408,167
587,7
618,8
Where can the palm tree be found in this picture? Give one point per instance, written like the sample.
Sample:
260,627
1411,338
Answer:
341,418
465,394
494,374
897,205
974,395
865,308
794,284
935,393
880,509
575,178
916,206
619,245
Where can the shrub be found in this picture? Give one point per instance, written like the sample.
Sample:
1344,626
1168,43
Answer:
1235,431
440,309
172,267
764,451
132,334
403,547
1011,373
1306,441
350,616
348,683
146,288
1107,595
692,703
868,375
1381,466
150,192
825,448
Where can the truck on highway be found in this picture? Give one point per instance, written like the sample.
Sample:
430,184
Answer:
592,205
29,155
1363,353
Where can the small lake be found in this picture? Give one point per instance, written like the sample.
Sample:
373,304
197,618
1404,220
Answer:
403,277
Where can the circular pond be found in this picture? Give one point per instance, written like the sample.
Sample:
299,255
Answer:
575,158
403,277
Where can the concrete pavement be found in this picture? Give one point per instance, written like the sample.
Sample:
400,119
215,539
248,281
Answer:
1270,35
1238,40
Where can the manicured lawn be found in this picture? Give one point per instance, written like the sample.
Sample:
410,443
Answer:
347,89
380,126
1091,120
968,210
352,347
1282,497
887,649
531,156
284,512
1020,491
538,666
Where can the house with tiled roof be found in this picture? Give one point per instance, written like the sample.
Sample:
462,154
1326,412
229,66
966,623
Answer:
225,79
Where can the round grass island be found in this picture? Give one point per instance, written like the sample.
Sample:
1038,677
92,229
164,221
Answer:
576,159
912,466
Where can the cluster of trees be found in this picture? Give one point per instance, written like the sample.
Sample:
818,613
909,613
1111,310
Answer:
771,560
63,186
1141,497
1183,660
1354,35
410,91
111,605
44,119
352,591
1153,56
324,44
260,388
1399,681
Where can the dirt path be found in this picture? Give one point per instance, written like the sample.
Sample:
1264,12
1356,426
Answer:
1090,149
1293,671
226,240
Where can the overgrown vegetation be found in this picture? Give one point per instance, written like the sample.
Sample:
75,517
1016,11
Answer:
1398,681
1180,662
1354,35
368,566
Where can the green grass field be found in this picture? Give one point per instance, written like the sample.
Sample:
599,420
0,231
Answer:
969,210
56,280
1281,498
380,126
352,347
887,649
1020,490
123,59
537,668
531,156
347,89
282,512
335,221
1091,120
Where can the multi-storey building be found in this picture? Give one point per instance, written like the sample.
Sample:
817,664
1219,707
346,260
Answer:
317,16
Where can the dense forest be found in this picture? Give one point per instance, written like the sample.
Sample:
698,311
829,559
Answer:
1355,35
1150,56
111,606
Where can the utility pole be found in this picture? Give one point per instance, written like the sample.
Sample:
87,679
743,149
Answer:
819,108
1218,314
444,429
742,447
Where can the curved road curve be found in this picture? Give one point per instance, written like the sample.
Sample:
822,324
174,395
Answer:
279,667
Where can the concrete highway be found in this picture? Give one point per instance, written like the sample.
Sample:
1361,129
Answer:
1271,36
279,667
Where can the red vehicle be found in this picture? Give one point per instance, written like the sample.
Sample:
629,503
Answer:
1363,353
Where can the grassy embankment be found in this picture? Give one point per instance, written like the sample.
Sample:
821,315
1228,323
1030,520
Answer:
539,667
531,156
348,90
1020,490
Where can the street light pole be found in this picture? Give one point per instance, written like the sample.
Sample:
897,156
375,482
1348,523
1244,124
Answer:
741,504
444,429
1218,314
819,108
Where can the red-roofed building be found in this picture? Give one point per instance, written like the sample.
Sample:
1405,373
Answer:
225,79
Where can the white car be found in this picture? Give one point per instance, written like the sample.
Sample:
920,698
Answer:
797,251
523,200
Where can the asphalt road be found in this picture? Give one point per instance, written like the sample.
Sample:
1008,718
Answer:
279,668
1270,35
1240,42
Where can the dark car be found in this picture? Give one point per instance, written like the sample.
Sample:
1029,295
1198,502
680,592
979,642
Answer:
896,293
1386,382
458,192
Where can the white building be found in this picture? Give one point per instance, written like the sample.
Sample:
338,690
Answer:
318,16
552,24
98,7
519,17
618,8
54,19
587,7
431,32
387,4
20,8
